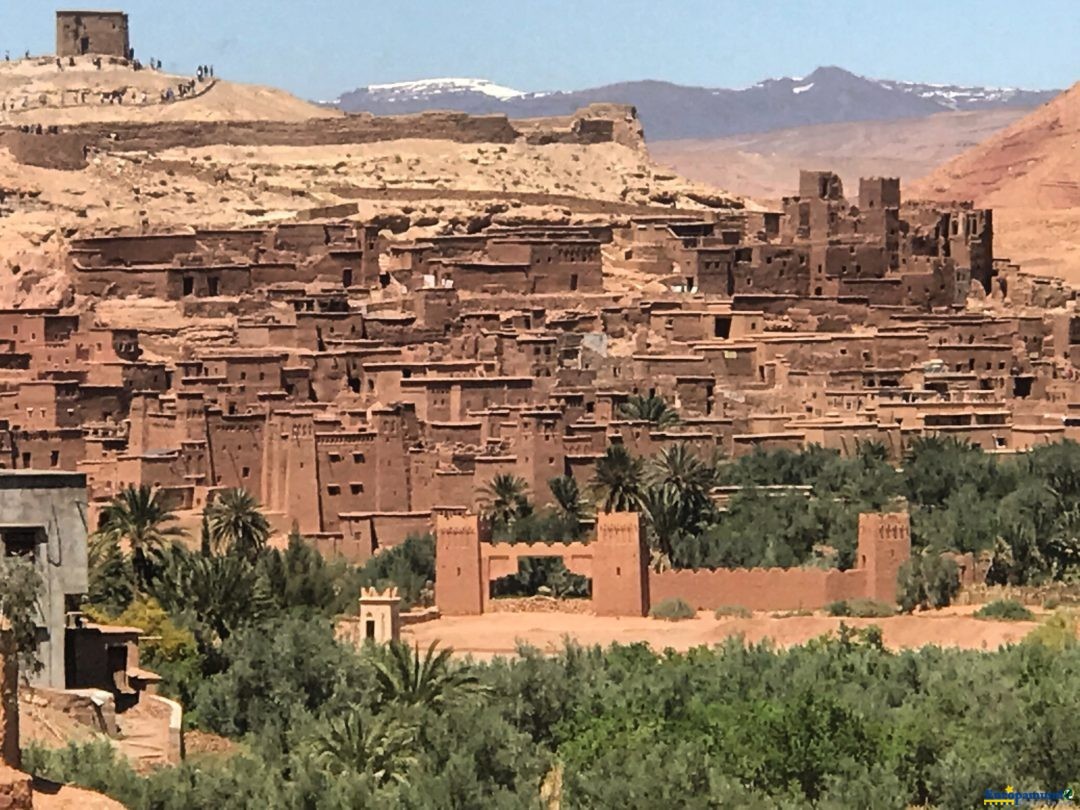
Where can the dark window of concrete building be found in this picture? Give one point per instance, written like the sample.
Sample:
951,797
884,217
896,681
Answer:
20,542
346,277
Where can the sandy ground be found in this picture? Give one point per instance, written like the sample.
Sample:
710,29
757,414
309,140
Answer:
37,91
499,633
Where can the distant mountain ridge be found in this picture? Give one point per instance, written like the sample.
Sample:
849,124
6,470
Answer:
670,111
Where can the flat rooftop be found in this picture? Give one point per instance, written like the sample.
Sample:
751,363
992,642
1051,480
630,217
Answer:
41,479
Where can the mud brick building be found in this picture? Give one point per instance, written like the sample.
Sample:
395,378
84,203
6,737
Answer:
361,384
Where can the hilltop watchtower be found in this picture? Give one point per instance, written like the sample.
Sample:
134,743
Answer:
103,33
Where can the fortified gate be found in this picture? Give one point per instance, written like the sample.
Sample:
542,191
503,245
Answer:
466,562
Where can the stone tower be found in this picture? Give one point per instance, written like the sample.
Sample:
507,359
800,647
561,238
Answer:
458,586
620,576
884,545
103,33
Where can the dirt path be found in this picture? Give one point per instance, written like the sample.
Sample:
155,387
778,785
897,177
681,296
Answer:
499,633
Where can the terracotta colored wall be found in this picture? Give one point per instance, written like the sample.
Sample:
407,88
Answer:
757,588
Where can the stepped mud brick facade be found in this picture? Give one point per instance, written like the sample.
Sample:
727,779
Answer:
360,385
102,33
624,585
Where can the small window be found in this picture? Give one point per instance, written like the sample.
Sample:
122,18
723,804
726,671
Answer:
358,458
245,472
356,489
54,458
333,489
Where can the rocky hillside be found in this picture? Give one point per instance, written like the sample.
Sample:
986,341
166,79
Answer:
1030,174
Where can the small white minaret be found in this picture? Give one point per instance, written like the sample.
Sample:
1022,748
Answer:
380,615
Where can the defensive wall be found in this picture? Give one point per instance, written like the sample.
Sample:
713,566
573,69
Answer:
67,149
624,584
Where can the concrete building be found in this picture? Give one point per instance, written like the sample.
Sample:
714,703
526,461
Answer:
43,517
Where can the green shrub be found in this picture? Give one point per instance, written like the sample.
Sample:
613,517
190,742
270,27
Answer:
792,614
673,610
860,609
733,611
927,581
1057,632
1008,610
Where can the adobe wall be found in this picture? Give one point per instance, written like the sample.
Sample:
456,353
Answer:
757,588
884,544
465,566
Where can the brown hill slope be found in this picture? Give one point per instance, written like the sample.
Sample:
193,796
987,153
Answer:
766,165
1029,173
1035,162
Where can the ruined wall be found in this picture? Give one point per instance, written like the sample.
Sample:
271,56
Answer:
67,149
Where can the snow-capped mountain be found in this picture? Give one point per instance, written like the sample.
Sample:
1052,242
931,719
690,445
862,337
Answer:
669,111
959,97
433,88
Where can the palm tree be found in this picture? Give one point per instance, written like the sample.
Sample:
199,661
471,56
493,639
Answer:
380,747
617,480
215,595
139,518
402,675
236,524
505,498
677,466
651,409
569,503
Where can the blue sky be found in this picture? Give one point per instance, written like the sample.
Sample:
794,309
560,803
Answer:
318,48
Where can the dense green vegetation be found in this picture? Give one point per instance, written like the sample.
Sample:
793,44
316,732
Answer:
245,640
802,508
837,723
